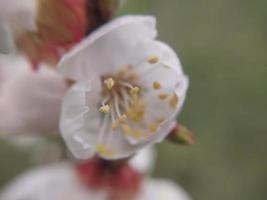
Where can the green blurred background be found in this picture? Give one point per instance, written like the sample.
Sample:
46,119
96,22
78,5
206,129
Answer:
223,47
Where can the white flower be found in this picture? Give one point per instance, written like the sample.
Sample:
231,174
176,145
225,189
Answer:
29,100
60,181
129,89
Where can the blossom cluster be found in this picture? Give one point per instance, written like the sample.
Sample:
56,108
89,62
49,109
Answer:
111,90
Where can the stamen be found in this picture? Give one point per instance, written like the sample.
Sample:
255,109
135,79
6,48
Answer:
134,91
155,126
118,121
109,83
174,101
126,84
153,59
137,134
163,96
104,109
116,104
105,100
126,99
137,110
126,129
156,85
102,149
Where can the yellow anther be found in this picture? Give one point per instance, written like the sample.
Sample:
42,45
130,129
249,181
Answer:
174,101
161,120
153,59
163,96
126,129
123,118
109,83
118,121
137,134
136,111
104,109
115,124
156,85
134,91
153,128
109,153
101,148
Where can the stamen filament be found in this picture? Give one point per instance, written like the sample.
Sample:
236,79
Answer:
116,105
126,84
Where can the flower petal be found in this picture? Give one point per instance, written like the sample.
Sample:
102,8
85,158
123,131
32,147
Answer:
29,101
80,118
161,189
108,47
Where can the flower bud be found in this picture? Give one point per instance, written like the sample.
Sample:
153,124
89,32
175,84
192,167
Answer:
91,173
61,24
181,135
124,183
119,179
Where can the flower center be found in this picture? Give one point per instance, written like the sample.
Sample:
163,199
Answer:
121,97
125,107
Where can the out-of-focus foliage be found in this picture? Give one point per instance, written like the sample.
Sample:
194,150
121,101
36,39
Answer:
223,48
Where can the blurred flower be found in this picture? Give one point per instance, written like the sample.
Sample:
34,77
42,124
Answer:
61,182
144,161
96,172
45,29
159,189
118,179
129,89
29,101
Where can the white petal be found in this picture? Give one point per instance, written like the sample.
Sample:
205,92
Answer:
168,73
115,142
157,109
181,91
108,47
80,118
29,101
158,189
